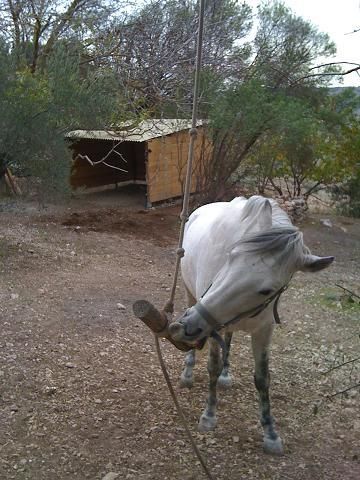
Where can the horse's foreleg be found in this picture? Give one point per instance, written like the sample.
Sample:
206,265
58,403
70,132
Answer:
208,418
260,345
186,379
225,381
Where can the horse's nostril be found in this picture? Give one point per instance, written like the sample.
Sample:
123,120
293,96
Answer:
176,330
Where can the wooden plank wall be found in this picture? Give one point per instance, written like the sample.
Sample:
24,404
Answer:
83,174
166,165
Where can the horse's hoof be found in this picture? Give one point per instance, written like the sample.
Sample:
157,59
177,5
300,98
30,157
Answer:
186,382
206,424
273,447
224,381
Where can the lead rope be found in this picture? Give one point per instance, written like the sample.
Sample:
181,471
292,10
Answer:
180,412
169,307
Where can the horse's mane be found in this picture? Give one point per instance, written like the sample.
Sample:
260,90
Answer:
276,239
281,239
271,240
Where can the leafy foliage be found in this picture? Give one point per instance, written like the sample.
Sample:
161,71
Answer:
309,143
89,63
286,47
39,108
273,121
35,27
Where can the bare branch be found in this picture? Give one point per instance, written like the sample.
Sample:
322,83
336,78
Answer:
103,159
354,31
347,290
332,63
341,365
329,74
357,385
88,159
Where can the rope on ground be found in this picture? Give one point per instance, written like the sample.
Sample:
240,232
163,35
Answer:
179,410
169,307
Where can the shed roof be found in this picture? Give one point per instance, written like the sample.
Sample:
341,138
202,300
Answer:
142,132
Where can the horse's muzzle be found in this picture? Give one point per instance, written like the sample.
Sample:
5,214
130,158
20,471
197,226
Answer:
178,333
190,329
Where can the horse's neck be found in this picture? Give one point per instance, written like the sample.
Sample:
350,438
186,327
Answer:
211,235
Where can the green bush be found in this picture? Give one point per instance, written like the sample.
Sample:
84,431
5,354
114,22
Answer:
348,196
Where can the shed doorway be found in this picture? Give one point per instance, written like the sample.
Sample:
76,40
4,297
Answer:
122,173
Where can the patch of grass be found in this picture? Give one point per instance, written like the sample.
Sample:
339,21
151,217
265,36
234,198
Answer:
339,300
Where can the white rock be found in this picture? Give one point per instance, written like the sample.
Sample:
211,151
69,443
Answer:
111,476
326,222
50,390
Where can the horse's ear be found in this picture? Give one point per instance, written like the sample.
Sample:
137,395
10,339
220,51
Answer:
312,263
265,215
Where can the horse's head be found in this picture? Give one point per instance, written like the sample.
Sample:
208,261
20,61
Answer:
256,271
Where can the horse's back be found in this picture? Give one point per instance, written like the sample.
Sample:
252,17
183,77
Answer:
208,215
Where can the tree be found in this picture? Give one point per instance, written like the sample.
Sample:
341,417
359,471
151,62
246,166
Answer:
287,47
154,53
273,111
261,97
34,27
312,143
40,107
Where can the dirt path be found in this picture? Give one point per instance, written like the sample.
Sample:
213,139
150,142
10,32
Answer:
81,391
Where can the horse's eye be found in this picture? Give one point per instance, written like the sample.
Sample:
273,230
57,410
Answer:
266,291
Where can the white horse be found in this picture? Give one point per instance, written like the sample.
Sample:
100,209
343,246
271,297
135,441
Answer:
239,257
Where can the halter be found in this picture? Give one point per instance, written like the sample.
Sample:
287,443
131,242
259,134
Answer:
251,313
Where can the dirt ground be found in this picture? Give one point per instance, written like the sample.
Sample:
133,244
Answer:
82,394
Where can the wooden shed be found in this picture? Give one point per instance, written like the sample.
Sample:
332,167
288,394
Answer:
154,154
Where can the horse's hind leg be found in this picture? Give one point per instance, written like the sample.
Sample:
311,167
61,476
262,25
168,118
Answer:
260,345
225,380
187,379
